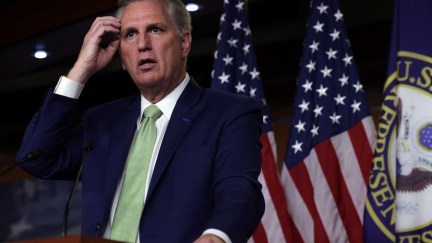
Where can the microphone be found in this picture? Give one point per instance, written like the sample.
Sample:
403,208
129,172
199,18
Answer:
30,156
87,148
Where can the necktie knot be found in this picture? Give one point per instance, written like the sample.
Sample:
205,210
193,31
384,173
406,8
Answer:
153,112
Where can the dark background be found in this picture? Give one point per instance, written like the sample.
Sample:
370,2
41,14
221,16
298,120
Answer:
278,28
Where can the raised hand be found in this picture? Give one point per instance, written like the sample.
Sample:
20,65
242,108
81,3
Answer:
99,46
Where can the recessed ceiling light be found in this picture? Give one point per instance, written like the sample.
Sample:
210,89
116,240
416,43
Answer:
40,54
192,7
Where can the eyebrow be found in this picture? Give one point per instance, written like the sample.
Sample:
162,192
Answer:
150,26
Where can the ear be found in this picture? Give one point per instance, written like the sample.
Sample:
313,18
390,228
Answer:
121,61
120,56
186,44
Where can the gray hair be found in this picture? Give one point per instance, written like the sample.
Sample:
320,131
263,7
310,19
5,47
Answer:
176,10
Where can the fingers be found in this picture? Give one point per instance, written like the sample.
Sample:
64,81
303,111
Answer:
103,31
99,45
105,24
106,21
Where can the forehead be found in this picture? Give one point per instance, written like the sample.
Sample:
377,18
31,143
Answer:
145,11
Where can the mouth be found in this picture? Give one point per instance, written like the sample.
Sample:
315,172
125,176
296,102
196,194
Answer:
146,63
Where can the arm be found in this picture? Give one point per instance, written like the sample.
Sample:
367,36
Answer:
237,196
50,128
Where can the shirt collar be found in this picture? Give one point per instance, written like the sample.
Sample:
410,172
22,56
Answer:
166,105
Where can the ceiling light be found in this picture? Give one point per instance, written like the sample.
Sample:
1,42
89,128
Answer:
40,54
192,7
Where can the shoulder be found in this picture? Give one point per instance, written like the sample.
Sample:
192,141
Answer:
205,98
229,99
114,107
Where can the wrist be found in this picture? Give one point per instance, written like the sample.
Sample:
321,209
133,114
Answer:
78,75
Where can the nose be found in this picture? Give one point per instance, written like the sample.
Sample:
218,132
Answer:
144,42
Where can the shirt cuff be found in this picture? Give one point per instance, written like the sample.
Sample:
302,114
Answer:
218,233
68,87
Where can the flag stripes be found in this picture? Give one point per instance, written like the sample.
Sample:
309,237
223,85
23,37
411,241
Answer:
332,203
277,213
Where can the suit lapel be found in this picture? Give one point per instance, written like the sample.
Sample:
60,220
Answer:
180,121
123,130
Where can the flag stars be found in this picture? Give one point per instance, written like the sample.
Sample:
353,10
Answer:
347,59
338,15
322,8
343,80
318,110
247,31
314,46
331,54
340,99
335,35
228,60
254,73
240,87
252,92
335,118
348,42
222,18
297,147
304,106
236,24
300,126
239,6
322,91
307,86
246,49
355,106
314,131
216,54
224,78
318,27
232,42
326,72
243,68
358,87
265,117
219,36
311,66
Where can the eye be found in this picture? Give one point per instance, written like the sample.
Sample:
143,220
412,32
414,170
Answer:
130,34
155,30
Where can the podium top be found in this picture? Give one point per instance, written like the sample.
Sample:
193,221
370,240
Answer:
69,239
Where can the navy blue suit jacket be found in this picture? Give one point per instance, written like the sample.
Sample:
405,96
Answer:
205,175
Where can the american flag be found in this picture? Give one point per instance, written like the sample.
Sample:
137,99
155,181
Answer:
332,135
235,71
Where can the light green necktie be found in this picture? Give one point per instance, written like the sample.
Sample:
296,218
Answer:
131,201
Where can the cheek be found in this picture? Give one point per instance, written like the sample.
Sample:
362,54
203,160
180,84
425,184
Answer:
174,54
125,57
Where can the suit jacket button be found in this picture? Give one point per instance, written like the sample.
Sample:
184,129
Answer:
97,227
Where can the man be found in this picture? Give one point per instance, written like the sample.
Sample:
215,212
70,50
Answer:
202,179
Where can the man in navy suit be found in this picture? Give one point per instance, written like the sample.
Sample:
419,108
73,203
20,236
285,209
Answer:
203,177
